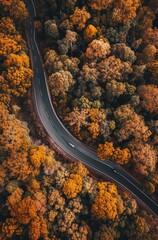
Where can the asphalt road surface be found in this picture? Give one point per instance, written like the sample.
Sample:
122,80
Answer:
61,136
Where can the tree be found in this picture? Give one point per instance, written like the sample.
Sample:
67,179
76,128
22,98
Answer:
14,133
17,61
38,228
94,129
134,127
123,113
105,233
8,45
98,49
99,4
72,186
80,17
96,115
19,80
60,82
149,97
11,227
90,32
125,53
77,119
153,69
23,211
105,151
124,11
130,203
115,89
108,203
144,157
79,168
7,26
151,36
144,19
111,69
138,229
148,57
51,28
16,9
121,156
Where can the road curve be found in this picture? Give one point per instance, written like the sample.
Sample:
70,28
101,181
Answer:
61,136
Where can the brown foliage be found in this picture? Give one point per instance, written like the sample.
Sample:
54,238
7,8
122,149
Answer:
144,157
124,10
99,4
149,98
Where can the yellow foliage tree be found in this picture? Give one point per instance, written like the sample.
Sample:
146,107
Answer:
72,186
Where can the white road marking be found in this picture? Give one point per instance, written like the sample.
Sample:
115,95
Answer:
35,58
37,70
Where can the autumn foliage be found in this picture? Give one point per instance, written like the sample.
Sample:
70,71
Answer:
107,151
102,65
105,203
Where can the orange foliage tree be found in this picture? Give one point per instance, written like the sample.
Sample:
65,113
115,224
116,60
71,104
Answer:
19,80
8,45
107,151
99,4
15,134
11,227
124,10
22,209
121,156
80,17
72,186
90,32
16,9
38,228
7,26
108,203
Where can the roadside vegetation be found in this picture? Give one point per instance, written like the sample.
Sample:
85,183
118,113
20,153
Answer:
102,62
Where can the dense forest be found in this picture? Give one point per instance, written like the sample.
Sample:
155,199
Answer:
102,64
102,61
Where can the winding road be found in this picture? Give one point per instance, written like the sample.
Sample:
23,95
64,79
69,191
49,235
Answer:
61,136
